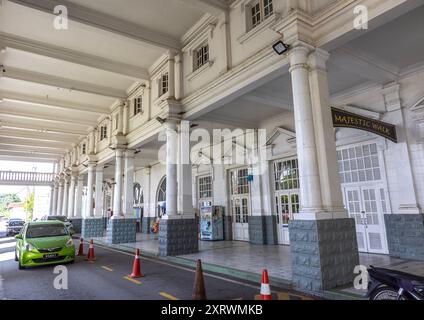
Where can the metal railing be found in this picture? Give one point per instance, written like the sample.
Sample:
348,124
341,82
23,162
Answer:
26,177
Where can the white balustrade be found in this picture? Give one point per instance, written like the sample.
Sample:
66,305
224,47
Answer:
17,177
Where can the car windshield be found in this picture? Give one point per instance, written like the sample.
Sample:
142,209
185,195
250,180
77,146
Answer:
16,223
46,230
60,218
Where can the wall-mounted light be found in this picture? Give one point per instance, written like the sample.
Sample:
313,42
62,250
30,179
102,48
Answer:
160,120
280,47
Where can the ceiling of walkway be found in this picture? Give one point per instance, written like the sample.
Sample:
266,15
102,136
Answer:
377,56
59,83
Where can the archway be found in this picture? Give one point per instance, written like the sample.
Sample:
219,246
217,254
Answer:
161,198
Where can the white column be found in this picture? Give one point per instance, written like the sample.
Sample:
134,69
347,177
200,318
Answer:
90,183
117,197
185,187
99,192
65,197
71,196
332,198
171,169
78,197
54,203
129,184
51,199
266,179
60,198
405,200
310,189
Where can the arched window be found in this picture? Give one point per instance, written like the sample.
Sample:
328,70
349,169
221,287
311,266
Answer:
161,198
138,194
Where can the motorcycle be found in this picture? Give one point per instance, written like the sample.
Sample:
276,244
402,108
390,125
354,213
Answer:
386,284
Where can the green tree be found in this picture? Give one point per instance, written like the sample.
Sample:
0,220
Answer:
5,200
29,206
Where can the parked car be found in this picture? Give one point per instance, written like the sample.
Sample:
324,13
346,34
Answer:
63,219
44,243
14,226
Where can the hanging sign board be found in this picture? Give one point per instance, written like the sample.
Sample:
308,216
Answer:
346,119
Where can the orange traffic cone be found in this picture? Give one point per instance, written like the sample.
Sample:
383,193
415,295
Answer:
265,289
199,292
136,273
81,248
90,256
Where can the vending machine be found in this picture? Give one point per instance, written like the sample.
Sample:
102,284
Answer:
211,222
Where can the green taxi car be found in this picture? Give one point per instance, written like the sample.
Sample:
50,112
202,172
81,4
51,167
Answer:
43,243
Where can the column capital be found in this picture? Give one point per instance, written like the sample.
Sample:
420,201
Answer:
119,152
129,153
299,54
318,60
91,164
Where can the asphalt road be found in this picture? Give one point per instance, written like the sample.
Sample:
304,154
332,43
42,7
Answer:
105,279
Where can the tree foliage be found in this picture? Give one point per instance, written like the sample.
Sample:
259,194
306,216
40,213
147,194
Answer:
6,199
29,206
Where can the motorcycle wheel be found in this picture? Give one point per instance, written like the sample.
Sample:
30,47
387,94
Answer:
385,293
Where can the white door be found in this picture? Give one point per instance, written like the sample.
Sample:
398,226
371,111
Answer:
287,204
240,211
364,204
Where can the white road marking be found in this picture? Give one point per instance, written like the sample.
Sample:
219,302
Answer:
186,269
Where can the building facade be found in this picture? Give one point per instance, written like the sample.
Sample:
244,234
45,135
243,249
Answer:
221,117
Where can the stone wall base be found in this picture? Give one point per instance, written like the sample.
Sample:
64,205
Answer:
177,236
92,227
324,253
122,230
262,230
405,235
77,223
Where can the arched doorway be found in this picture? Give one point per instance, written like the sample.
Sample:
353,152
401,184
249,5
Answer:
138,204
161,198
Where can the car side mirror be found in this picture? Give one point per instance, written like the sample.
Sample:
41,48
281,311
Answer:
18,236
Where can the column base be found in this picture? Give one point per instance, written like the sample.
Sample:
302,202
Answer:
324,253
92,228
262,230
121,230
146,224
405,235
77,223
177,236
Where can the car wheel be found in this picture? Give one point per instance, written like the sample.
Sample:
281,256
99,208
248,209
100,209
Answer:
16,256
20,267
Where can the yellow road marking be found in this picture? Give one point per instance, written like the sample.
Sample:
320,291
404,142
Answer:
107,268
283,296
132,280
168,296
